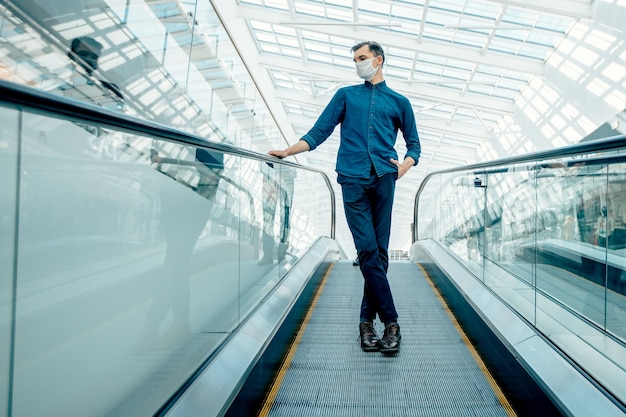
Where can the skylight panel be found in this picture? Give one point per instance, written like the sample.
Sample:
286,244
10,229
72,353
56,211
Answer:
313,56
504,46
374,6
509,74
398,62
437,33
408,13
258,25
456,73
559,25
309,8
534,51
270,48
512,35
307,34
472,40
426,72
412,29
487,10
265,37
292,52
482,89
288,85
343,3
279,75
541,38
340,41
449,5
288,42
440,18
318,47
339,50
284,30
520,16
400,53
397,72
344,14
272,4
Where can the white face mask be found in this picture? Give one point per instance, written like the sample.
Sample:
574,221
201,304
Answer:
365,69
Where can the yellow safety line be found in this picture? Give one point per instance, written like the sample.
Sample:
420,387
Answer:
492,382
271,396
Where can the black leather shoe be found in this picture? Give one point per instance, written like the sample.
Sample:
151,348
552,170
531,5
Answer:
356,262
390,342
369,339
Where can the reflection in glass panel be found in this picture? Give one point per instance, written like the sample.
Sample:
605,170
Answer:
616,241
169,62
426,210
137,257
88,260
568,258
261,262
127,258
513,197
549,241
9,122
284,224
466,238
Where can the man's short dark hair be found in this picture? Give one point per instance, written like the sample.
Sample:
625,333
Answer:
88,50
374,47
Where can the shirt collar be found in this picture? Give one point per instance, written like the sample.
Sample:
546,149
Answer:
380,84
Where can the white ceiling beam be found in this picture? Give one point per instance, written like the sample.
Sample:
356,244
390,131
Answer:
398,40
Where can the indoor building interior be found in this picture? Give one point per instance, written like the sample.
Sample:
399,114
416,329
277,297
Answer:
156,261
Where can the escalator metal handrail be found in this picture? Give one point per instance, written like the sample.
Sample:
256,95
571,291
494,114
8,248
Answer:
604,144
42,102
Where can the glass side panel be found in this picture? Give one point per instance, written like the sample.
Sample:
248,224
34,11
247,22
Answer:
616,242
426,218
286,231
467,239
513,219
110,244
263,262
548,238
137,257
565,252
9,128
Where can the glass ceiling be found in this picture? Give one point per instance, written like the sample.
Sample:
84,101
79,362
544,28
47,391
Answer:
461,63
257,73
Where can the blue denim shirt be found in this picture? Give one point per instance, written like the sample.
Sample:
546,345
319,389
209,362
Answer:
370,117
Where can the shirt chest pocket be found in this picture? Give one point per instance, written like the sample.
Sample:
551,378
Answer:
388,116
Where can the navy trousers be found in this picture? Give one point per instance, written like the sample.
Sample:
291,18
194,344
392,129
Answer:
368,205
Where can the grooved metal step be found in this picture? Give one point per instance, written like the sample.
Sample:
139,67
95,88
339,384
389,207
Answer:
434,374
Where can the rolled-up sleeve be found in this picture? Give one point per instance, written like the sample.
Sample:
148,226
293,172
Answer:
332,115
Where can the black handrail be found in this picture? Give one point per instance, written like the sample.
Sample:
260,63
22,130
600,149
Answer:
578,149
37,101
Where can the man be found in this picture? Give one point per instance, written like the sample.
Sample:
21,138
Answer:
86,51
370,115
